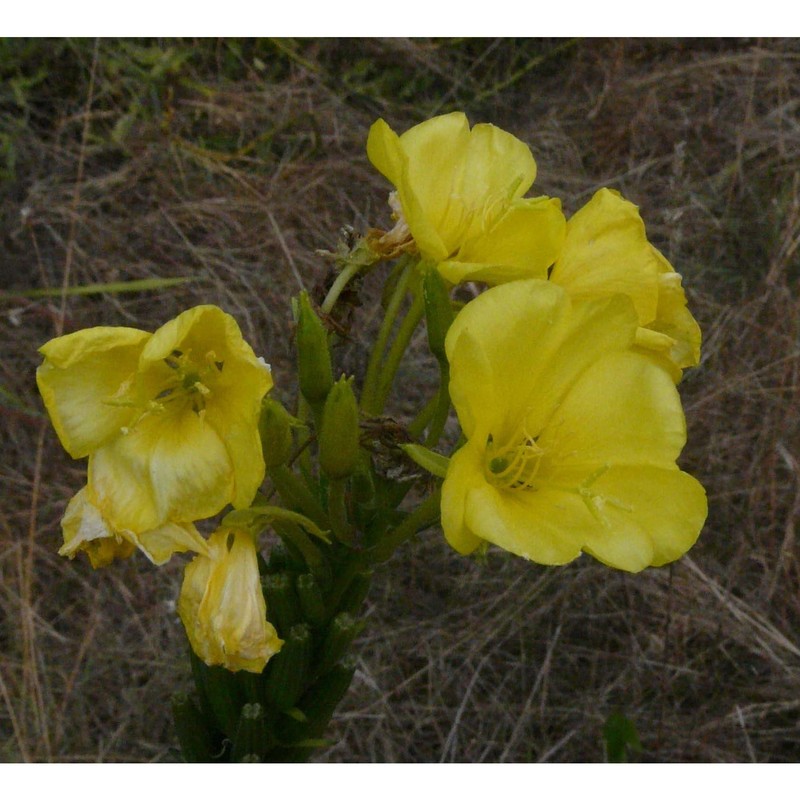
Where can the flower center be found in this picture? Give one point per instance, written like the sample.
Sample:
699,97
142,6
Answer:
189,382
186,385
514,465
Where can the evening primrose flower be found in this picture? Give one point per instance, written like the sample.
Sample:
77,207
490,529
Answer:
169,420
459,200
86,529
606,251
222,606
572,438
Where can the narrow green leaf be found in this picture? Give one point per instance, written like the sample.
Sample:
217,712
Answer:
114,287
435,463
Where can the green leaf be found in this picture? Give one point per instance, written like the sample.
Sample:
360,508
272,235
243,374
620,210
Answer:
435,463
620,735
114,287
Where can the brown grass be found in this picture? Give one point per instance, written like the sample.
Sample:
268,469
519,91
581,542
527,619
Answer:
233,175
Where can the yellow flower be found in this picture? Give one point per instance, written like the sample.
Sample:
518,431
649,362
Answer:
169,420
460,198
571,437
606,251
222,606
85,529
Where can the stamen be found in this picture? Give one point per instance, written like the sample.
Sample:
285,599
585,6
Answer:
514,466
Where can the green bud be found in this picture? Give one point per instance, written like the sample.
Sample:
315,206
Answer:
312,603
275,428
199,741
320,701
340,635
251,738
438,312
356,593
287,671
339,432
282,605
313,353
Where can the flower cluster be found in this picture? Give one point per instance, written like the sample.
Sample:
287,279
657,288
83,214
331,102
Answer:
563,372
169,423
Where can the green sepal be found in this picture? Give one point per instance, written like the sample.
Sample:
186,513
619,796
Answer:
287,671
258,517
433,462
313,353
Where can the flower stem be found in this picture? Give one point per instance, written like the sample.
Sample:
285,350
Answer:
342,279
371,380
423,418
396,353
423,516
442,410
295,492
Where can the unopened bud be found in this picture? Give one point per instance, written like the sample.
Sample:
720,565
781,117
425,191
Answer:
275,428
313,353
339,432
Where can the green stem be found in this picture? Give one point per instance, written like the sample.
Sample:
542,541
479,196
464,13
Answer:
442,408
372,377
396,353
342,279
420,422
423,516
295,492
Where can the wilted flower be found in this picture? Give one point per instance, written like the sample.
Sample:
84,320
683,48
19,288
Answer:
572,438
222,606
169,420
85,529
606,252
459,197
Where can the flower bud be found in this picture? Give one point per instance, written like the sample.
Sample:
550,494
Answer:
275,429
339,432
313,354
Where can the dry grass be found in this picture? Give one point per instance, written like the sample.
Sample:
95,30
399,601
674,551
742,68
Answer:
237,165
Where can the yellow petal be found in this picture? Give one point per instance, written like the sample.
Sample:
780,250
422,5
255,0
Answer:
385,152
85,530
161,543
222,605
528,344
648,516
674,319
522,243
498,167
606,251
621,410
233,413
545,526
464,473
167,467
85,380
